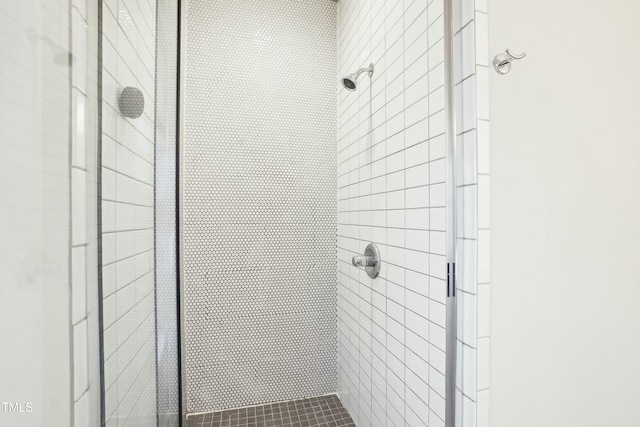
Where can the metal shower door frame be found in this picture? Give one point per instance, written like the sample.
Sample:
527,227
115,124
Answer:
451,218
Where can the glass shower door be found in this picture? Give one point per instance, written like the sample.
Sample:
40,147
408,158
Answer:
88,284
138,201
49,355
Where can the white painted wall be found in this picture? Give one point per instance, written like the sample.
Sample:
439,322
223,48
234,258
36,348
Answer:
565,297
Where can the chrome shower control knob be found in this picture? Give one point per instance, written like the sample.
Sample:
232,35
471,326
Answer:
363,261
370,261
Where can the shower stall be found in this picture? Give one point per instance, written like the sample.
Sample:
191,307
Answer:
242,213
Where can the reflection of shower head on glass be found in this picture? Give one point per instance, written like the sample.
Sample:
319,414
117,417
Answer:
61,56
350,82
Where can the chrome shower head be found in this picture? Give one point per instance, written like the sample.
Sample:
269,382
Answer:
350,82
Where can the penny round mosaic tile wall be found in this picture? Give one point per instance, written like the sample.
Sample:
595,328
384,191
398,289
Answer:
259,201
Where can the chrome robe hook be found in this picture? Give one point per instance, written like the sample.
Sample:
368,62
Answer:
502,61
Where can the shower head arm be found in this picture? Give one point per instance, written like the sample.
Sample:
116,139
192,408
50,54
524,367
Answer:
368,70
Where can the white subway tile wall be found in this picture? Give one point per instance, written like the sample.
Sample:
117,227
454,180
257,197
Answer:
391,191
128,215
484,215
84,226
472,119
259,200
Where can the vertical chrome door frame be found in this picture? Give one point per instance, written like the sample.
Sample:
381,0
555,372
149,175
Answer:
451,227
182,42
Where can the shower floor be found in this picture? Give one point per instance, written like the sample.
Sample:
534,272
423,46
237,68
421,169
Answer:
323,411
